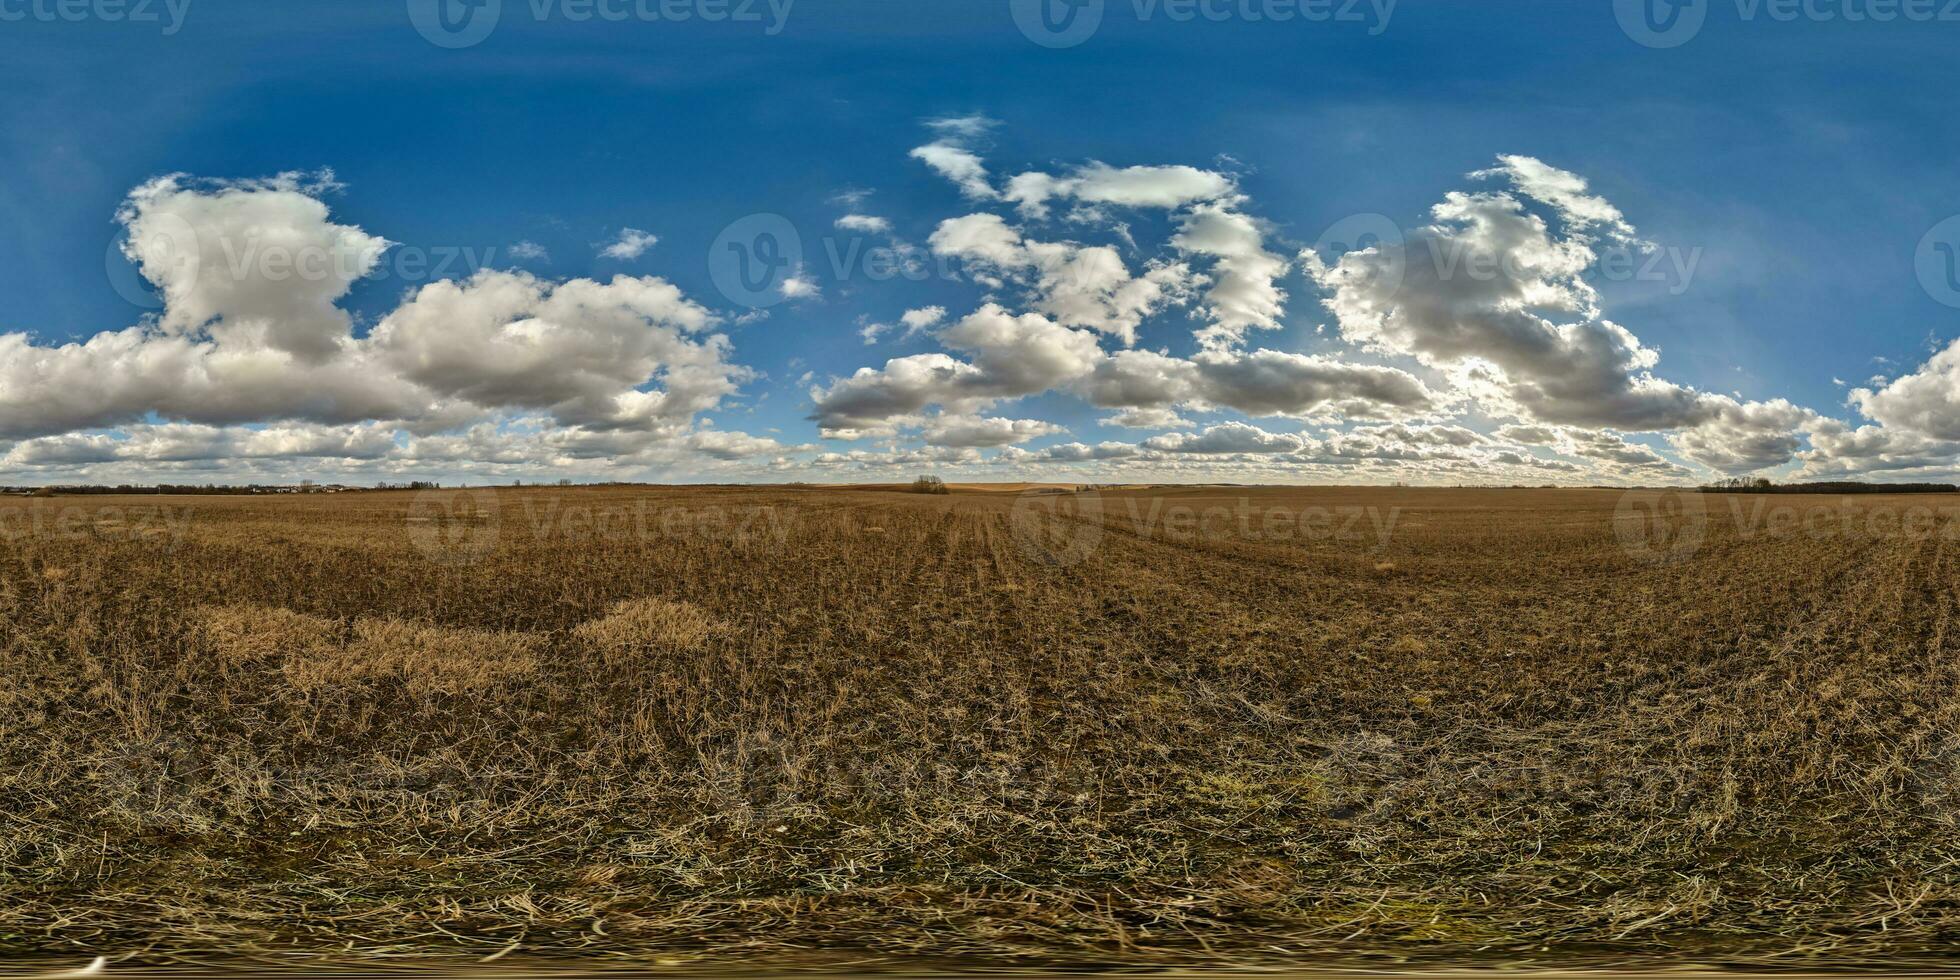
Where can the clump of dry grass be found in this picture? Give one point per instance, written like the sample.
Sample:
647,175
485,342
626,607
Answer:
650,624
425,659
315,654
254,634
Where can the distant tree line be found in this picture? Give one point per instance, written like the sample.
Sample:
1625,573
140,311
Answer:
1744,484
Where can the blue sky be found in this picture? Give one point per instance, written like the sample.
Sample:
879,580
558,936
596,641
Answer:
1796,163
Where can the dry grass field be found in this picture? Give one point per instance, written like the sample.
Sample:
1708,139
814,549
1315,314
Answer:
1144,726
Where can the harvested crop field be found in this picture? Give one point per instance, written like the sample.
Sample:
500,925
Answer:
1142,726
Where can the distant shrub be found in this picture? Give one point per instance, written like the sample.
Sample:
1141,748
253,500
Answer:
929,484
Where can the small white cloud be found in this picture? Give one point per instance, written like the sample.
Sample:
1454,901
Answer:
952,157
631,244
1133,187
965,127
852,198
959,165
924,318
915,321
866,223
528,250
800,286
